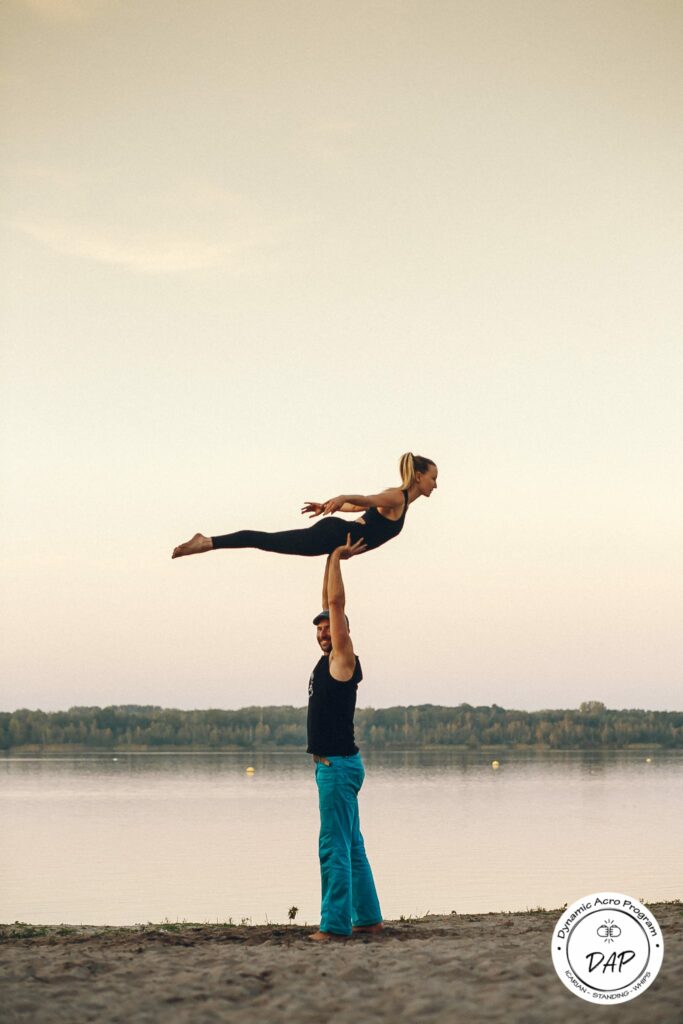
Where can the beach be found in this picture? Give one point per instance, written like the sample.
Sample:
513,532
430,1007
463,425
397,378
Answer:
446,969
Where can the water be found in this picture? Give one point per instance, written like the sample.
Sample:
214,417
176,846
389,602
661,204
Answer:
131,838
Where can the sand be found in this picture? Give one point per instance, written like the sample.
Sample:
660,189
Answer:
443,969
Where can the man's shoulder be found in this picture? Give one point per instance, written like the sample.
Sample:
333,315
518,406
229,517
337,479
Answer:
351,670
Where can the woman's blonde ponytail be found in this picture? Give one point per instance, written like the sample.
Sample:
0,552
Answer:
410,465
407,467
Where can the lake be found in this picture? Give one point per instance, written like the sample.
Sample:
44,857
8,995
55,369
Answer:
130,838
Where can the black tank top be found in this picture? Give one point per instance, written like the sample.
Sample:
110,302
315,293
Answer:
378,529
331,706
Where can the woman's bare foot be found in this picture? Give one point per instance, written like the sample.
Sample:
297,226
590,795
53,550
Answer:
195,546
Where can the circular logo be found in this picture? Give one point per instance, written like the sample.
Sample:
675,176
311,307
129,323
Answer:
607,948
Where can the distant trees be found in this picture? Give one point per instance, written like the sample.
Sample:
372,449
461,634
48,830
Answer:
154,727
592,707
147,727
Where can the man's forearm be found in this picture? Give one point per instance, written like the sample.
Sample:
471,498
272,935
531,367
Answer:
335,583
326,603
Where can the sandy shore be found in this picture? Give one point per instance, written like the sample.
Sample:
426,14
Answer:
443,969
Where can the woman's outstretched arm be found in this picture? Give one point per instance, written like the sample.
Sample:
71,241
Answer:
315,508
391,498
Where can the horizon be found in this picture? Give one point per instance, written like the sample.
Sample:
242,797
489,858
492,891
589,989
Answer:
302,707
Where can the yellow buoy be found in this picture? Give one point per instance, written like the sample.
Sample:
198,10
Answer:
250,770
495,764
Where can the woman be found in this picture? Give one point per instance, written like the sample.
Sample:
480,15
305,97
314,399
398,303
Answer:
384,515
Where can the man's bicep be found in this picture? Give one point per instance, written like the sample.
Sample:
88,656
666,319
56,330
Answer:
339,632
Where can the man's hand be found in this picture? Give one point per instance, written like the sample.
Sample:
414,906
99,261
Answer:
313,507
348,550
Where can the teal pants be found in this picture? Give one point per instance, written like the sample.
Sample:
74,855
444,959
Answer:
349,897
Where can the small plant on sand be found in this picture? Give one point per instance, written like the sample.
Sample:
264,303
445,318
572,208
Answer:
21,930
171,926
291,914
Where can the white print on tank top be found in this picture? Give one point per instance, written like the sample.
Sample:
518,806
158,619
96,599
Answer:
310,684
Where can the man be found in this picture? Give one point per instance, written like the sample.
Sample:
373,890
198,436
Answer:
349,900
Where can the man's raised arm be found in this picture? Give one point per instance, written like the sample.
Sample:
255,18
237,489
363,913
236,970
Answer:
342,654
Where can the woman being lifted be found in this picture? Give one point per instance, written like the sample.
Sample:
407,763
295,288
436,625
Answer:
383,518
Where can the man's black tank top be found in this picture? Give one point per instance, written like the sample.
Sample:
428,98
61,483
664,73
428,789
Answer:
331,706
378,529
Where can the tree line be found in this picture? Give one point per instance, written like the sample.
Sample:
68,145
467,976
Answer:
138,727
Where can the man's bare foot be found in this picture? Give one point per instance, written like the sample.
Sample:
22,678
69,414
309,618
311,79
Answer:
369,929
195,546
326,937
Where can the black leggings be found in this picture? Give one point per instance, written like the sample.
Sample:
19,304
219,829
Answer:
320,539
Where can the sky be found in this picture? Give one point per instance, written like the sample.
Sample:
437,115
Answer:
253,252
